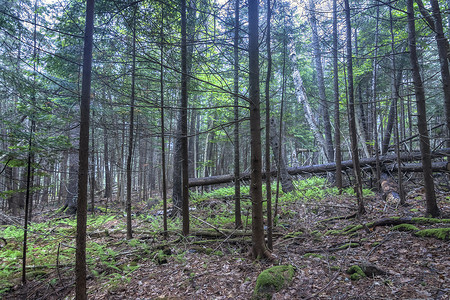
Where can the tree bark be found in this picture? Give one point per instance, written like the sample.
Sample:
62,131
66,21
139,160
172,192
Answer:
258,247
432,208
237,165
131,126
351,115
337,123
80,268
443,49
183,122
320,82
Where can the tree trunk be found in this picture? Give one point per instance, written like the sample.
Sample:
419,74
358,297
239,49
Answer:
351,115
337,125
80,267
269,130
258,247
321,82
443,52
183,122
432,208
237,165
131,132
303,100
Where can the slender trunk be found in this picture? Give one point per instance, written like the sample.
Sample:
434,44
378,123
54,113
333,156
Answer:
351,115
258,247
432,208
237,183
375,105
131,132
80,267
396,95
337,123
183,122
163,130
108,189
268,130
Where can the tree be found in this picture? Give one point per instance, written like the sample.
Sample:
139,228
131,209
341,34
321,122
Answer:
237,165
183,122
321,82
443,61
337,125
131,132
351,114
258,247
432,208
83,170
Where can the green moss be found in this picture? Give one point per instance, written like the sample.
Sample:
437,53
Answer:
405,227
273,280
353,229
333,232
348,245
312,255
293,235
374,244
355,272
334,268
424,220
440,233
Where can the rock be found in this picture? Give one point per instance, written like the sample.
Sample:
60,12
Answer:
273,280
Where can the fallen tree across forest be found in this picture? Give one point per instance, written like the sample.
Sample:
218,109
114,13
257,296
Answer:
388,161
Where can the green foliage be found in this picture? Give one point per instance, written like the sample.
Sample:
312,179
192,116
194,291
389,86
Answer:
307,255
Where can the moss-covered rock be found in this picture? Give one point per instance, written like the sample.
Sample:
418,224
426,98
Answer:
355,272
440,233
273,280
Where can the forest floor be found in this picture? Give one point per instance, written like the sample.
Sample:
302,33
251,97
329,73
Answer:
215,264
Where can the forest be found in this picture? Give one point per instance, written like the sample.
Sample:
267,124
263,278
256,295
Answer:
224,149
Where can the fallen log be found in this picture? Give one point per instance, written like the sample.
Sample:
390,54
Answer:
331,167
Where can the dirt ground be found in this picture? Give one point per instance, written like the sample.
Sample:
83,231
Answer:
413,267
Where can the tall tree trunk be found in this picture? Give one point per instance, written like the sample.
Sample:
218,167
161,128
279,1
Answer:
432,208
351,115
258,247
321,82
375,104
396,96
131,132
183,122
163,130
445,74
337,123
268,130
237,165
83,171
